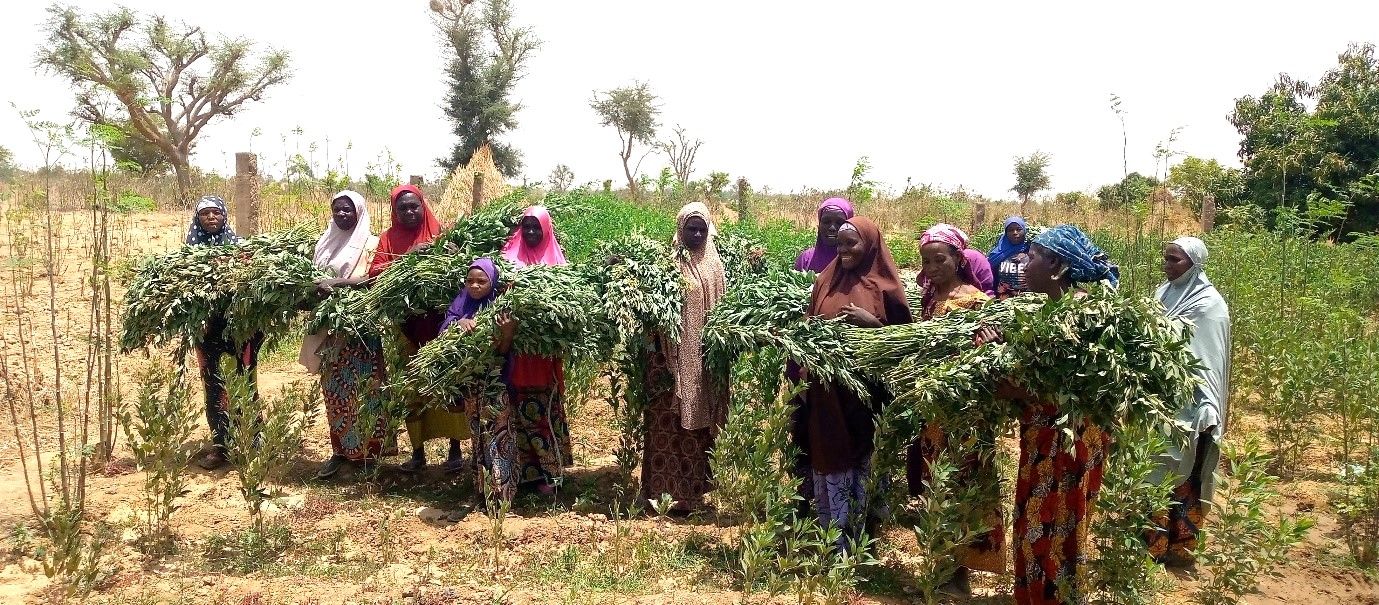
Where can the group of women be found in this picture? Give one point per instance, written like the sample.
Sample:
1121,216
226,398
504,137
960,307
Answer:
523,439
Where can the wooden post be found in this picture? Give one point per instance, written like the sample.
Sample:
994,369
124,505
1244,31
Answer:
1208,213
416,180
246,202
978,216
478,191
743,190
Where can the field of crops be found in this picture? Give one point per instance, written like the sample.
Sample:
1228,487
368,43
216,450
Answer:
1306,366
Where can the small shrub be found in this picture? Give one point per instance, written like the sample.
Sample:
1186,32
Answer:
157,428
250,549
265,433
1358,507
132,202
1123,571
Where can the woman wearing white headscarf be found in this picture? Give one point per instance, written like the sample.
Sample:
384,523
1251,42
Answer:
1189,296
684,417
346,362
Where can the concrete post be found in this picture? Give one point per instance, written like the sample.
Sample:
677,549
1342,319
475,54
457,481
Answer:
416,180
246,201
1208,213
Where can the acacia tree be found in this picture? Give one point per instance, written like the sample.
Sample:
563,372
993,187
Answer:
681,151
487,57
632,110
167,82
1031,176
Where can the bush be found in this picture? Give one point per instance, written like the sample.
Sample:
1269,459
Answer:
132,202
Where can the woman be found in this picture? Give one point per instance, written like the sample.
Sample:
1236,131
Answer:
1189,296
863,287
345,250
832,213
1009,257
950,285
495,448
1060,467
977,264
682,423
210,227
536,385
412,228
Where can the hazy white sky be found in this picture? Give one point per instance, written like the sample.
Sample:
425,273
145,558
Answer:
789,94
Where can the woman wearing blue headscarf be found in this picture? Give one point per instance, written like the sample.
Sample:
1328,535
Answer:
210,227
1009,257
1061,467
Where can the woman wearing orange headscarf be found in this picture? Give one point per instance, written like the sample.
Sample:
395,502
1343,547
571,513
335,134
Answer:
413,228
863,287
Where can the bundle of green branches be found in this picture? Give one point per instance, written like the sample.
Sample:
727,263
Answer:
174,294
337,315
1105,358
268,292
743,257
557,313
640,289
769,312
426,281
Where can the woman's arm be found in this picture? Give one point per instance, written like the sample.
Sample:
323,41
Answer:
502,337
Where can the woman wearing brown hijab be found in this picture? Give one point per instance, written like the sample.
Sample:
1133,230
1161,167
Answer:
863,287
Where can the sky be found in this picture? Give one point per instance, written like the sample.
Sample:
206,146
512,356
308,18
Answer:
787,94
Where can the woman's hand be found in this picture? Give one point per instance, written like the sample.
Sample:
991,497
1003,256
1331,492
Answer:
326,285
860,317
422,247
507,326
466,325
987,334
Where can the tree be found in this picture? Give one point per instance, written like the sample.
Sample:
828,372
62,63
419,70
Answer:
1292,155
1031,176
1134,189
717,181
561,178
633,111
1193,179
487,59
681,151
167,82
7,168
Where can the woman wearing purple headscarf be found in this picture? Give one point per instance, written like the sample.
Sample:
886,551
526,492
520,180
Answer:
833,212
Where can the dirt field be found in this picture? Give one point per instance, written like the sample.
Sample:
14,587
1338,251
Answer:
419,540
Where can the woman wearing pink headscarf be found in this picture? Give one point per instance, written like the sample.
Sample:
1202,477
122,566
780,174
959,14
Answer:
536,385
950,284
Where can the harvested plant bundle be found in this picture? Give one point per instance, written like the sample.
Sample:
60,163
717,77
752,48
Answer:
268,292
743,257
770,312
174,294
552,306
426,281
338,314
641,290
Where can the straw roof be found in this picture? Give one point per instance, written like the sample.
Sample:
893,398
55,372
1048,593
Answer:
459,195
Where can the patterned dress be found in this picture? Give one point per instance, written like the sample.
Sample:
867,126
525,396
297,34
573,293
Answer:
212,347
1055,491
540,433
676,460
351,367
987,551
1176,535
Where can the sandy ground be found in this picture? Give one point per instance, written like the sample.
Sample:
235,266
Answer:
418,540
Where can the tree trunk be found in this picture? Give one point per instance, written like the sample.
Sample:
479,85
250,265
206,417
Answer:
182,168
626,169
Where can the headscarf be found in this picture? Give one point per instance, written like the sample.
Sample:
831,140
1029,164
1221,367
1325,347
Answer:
1004,249
1086,262
956,238
397,240
705,283
465,306
548,253
1195,301
868,285
817,257
339,250
197,236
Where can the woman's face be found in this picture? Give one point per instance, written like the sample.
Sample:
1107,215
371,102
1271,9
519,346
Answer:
408,209
477,284
342,212
694,233
1176,262
532,235
1043,266
940,262
1015,234
829,222
850,249
212,220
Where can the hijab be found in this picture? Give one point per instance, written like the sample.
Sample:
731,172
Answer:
817,257
1193,299
397,240
1004,249
465,306
868,285
705,284
197,236
1086,262
957,239
548,253
339,250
